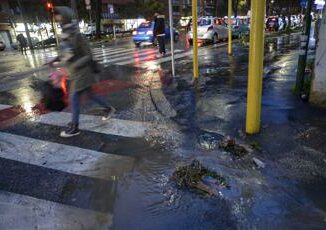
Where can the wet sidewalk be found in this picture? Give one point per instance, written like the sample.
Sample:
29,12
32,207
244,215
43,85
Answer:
289,189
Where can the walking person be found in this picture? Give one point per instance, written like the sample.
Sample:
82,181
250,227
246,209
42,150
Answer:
22,43
159,32
75,55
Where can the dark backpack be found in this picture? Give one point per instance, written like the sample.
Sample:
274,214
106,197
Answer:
53,98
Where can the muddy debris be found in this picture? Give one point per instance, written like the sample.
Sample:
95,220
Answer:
208,141
256,145
199,179
258,163
229,145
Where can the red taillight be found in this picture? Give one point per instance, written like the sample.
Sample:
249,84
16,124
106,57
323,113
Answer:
210,28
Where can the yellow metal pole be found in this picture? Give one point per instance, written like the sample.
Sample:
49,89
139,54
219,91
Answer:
256,62
230,26
195,39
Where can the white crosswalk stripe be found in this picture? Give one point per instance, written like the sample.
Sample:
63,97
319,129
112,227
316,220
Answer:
127,52
92,123
20,209
2,107
122,57
55,156
26,212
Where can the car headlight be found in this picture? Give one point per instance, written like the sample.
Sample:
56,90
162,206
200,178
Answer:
134,33
149,32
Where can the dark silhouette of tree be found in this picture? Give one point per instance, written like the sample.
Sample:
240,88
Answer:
98,18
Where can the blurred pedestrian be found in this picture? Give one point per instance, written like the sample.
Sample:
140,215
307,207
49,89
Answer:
159,32
22,43
76,56
189,24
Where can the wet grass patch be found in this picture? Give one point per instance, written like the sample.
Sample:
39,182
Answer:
199,179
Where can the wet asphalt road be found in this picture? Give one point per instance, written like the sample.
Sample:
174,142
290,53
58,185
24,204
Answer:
116,174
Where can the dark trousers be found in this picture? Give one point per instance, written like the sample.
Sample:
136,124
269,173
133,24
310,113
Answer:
23,49
161,44
75,100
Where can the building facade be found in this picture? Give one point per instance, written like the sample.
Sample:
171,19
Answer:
205,7
6,30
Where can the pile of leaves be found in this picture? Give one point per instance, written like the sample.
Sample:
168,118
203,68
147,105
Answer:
229,145
193,177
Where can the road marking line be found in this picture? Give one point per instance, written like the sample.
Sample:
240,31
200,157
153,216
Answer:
129,53
177,56
158,60
139,57
125,128
115,51
161,60
2,107
25,212
105,49
65,158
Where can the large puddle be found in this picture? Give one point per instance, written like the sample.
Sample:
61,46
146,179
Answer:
257,197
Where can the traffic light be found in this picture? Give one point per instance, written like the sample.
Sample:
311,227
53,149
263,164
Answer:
49,6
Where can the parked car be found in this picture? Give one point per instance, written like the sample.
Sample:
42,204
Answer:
2,45
51,41
295,21
144,34
34,40
283,22
14,45
210,29
240,27
91,34
273,23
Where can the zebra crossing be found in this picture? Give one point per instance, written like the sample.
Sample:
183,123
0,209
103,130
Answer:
122,56
129,56
52,183
115,56
144,58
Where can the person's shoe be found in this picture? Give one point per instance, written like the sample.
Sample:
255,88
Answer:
71,131
109,113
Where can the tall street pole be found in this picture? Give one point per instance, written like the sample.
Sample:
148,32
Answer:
171,37
89,8
256,62
30,44
195,39
54,25
304,49
230,27
74,8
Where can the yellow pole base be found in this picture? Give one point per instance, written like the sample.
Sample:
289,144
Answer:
195,39
230,27
256,61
